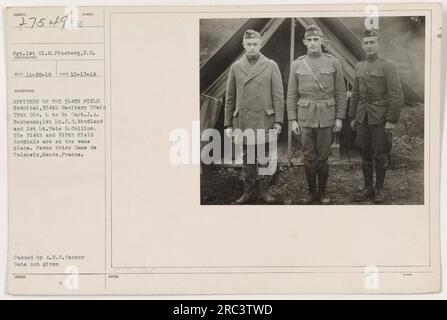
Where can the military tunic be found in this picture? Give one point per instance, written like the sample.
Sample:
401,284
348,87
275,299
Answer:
315,104
376,99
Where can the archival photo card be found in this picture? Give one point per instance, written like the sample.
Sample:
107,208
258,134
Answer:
224,150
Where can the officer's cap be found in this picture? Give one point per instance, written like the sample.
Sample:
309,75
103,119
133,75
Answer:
252,34
370,33
312,30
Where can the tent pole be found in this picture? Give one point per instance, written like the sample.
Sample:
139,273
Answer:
292,55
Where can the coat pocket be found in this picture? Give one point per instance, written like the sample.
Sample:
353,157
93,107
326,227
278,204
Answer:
269,118
305,81
331,102
327,78
326,110
330,108
377,81
303,75
377,111
303,109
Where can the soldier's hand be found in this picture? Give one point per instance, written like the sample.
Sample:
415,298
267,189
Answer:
295,128
353,127
338,125
278,128
229,131
389,127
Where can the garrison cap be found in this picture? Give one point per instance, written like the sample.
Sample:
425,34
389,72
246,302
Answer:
370,33
251,34
313,30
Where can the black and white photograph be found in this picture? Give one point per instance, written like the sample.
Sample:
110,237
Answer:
312,111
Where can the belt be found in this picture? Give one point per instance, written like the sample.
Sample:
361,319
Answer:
372,100
315,96
303,102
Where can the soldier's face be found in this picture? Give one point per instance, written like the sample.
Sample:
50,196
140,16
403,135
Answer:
313,43
252,46
370,45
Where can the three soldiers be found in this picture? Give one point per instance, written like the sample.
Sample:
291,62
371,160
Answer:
316,107
254,101
375,108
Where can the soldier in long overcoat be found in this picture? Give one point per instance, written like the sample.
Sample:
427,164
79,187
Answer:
254,101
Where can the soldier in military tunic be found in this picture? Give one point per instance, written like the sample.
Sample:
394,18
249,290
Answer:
375,108
316,107
254,101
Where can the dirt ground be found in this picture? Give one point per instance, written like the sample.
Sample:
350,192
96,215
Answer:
404,183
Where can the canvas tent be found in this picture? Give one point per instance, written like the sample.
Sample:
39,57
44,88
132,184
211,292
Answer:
282,41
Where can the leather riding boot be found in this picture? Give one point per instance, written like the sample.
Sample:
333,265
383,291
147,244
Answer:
264,184
366,192
380,179
323,174
250,184
311,178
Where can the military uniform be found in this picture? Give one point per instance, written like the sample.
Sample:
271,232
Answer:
376,99
316,97
254,100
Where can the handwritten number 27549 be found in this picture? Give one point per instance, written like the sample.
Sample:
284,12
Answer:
34,22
